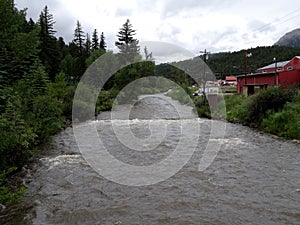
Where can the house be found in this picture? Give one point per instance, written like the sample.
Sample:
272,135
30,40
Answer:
231,80
285,74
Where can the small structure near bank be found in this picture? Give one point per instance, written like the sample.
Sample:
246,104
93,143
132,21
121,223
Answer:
285,74
231,81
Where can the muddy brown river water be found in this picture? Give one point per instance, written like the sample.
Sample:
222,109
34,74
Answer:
254,179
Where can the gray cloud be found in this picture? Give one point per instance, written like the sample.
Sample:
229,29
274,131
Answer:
64,22
123,12
260,26
173,7
164,52
198,23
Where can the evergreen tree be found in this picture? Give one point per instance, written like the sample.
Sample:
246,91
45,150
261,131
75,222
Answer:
95,41
46,19
79,38
102,42
30,26
18,45
126,43
49,54
88,45
78,51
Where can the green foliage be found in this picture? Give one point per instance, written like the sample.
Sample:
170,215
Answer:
31,113
18,45
273,98
6,193
178,93
102,42
232,63
95,41
106,99
236,107
79,38
46,118
203,110
275,111
285,123
95,55
49,48
62,93
127,44
68,66
83,103
16,137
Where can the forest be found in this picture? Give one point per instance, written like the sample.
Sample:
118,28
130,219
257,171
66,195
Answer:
39,74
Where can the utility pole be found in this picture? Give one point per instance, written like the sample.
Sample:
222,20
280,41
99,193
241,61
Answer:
276,76
246,55
205,57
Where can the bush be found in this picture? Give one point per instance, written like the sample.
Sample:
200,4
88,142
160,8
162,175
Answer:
180,95
285,123
16,138
105,100
6,193
271,99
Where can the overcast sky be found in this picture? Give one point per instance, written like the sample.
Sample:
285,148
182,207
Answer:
215,25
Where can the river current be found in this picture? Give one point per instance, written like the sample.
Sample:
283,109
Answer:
254,178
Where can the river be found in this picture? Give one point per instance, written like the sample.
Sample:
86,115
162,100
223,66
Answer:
254,178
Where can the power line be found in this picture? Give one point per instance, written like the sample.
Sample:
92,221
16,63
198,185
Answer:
278,21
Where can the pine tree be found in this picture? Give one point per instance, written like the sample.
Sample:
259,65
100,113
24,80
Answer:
102,42
78,51
126,43
47,20
79,38
18,45
95,41
49,54
88,45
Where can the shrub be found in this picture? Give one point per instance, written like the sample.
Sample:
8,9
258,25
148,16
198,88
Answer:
285,123
180,95
6,193
272,99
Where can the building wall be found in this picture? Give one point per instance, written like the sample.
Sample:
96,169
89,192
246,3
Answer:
285,79
268,79
287,76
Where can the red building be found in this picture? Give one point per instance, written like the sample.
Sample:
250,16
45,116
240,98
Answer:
287,74
231,80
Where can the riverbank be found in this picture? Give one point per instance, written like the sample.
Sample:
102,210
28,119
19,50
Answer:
275,111
31,115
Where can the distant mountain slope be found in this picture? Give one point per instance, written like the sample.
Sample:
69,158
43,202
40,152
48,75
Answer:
291,39
232,63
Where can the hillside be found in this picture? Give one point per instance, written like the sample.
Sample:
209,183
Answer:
232,63
291,39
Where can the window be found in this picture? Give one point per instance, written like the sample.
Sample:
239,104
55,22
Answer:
279,69
290,68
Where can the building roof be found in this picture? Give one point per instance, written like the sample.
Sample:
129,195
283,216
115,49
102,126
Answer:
230,78
279,64
255,74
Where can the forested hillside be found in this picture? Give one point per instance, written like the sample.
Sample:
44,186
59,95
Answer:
233,63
